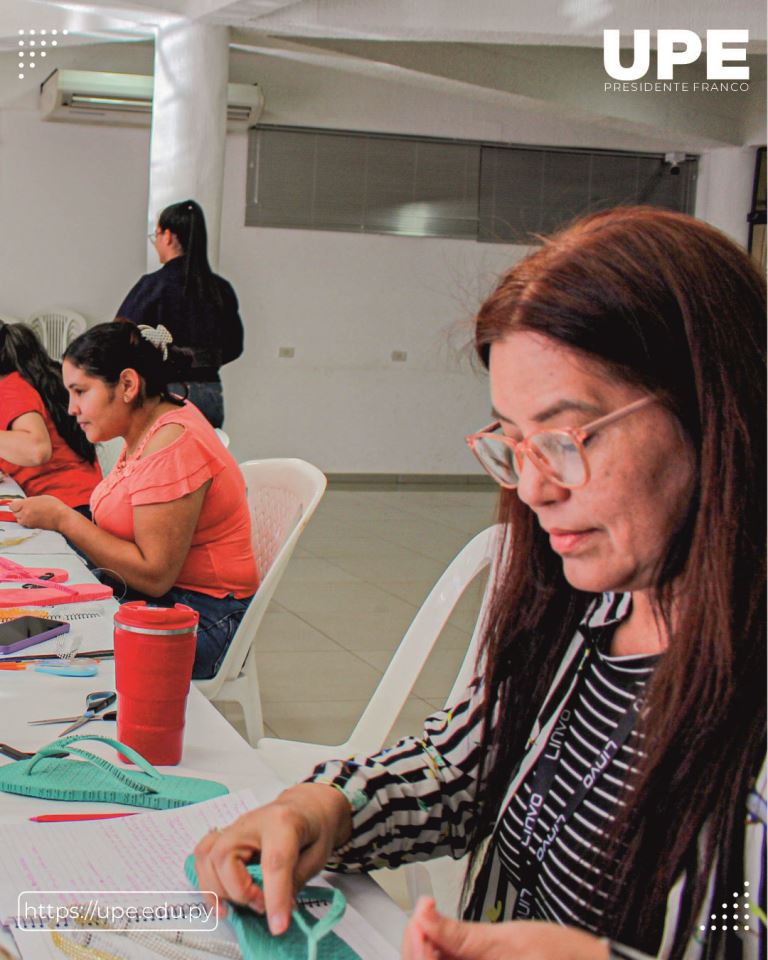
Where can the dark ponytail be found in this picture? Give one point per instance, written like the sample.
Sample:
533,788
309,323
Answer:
107,349
21,352
186,222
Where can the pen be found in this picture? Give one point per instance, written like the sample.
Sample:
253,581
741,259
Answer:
106,654
66,817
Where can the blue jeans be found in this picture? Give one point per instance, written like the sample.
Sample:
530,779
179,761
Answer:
207,397
219,620
85,511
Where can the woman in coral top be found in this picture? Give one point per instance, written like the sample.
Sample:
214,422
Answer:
41,446
171,518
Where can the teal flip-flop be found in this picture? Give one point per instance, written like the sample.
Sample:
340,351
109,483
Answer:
307,938
95,780
69,669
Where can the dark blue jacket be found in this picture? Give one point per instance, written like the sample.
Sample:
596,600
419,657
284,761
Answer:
210,326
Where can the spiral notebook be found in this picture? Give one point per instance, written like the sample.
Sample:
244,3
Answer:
139,853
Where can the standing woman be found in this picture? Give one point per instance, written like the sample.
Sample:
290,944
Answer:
41,446
186,297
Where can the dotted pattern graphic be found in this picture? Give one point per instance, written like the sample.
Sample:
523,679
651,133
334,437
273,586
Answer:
32,47
737,913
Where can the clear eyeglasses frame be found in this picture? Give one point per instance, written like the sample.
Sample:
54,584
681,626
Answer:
558,453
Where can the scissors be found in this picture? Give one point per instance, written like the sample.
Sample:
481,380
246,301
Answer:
110,715
15,754
94,704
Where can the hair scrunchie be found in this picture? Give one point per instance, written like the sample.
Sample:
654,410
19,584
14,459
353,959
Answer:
158,336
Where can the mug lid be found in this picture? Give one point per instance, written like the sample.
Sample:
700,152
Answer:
138,613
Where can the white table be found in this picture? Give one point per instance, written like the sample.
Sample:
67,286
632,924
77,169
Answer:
212,747
9,487
40,542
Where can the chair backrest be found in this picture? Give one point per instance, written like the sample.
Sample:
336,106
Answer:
282,496
107,453
224,437
404,668
57,328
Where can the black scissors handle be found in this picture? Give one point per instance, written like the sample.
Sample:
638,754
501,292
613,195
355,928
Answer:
15,754
106,701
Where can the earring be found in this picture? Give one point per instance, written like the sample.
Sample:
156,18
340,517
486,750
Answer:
126,400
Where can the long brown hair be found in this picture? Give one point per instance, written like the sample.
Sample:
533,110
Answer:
665,302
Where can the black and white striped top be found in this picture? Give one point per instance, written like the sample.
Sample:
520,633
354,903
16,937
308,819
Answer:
418,798
564,869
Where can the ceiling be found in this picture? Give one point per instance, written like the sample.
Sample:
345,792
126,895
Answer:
551,22
536,52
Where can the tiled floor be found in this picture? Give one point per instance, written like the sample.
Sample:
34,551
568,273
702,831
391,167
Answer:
362,568
365,563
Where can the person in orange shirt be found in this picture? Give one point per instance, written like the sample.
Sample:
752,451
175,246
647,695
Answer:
171,518
41,447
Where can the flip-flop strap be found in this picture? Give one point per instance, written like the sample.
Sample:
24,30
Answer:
7,576
123,776
11,567
314,932
10,571
317,929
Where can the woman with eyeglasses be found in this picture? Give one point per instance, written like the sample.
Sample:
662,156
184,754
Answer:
197,305
41,446
605,770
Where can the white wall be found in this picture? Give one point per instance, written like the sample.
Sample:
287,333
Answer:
73,202
73,206
73,212
724,190
344,303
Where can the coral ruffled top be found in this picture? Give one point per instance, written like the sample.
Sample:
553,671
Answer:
220,560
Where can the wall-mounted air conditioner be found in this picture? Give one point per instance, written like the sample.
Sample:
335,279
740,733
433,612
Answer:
125,99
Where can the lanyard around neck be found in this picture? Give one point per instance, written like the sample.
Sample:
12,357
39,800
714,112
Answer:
533,851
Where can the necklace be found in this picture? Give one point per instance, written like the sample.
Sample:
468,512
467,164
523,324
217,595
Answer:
137,446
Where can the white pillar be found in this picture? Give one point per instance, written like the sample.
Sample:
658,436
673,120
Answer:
724,190
189,123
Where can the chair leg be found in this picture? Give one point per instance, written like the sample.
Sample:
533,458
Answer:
250,700
442,879
418,881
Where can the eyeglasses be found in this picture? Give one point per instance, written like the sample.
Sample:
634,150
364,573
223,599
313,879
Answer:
558,453
152,236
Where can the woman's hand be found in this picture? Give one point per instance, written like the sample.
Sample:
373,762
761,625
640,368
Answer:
294,836
44,513
430,936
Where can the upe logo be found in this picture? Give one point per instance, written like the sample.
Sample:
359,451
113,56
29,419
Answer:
675,47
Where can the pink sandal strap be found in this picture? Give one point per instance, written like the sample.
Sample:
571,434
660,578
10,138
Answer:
10,566
17,577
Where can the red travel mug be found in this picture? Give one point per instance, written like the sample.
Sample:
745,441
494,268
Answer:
154,654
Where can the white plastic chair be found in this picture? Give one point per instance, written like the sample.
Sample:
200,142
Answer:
292,759
282,495
57,328
107,453
224,437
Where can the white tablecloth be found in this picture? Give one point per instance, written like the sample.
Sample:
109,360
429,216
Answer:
212,747
35,541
